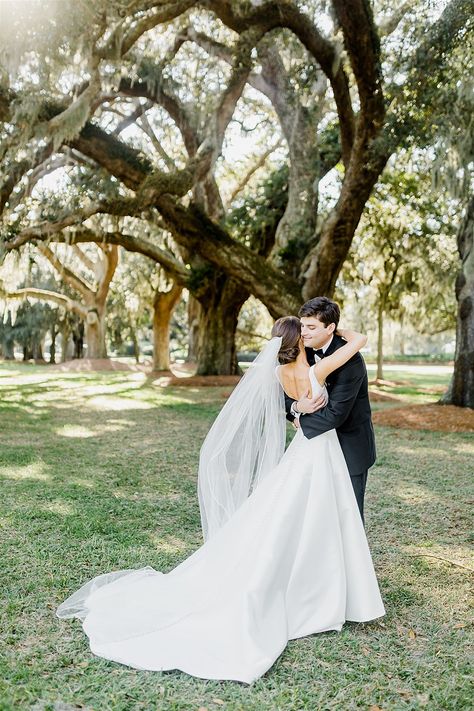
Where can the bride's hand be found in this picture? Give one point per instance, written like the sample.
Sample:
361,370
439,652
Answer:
307,405
352,336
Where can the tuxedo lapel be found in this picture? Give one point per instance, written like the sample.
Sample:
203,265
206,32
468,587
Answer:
336,343
310,355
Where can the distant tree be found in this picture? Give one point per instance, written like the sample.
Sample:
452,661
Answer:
28,330
453,168
24,322
7,338
143,296
461,389
402,261
92,290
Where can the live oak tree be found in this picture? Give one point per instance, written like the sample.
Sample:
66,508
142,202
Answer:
454,169
142,296
461,389
322,81
27,324
91,290
28,331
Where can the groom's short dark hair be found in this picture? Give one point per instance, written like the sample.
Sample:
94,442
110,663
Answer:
322,308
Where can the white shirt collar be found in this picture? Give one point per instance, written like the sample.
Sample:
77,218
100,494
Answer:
326,345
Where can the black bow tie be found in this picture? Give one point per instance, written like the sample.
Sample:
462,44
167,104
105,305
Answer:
319,353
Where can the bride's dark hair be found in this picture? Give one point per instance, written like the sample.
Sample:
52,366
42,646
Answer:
289,328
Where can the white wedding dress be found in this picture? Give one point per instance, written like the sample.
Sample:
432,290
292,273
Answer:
292,561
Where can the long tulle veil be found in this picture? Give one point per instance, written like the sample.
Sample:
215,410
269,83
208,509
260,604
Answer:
244,444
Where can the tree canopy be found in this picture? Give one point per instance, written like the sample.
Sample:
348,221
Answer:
234,142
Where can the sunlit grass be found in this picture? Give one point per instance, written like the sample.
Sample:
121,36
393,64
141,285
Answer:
87,489
416,384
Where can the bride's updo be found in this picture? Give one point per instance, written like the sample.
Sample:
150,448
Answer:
289,328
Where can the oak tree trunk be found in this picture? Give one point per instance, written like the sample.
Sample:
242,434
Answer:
380,311
38,350
193,329
52,348
65,337
8,342
95,333
402,336
219,314
27,353
8,349
163,306
461,389
136,347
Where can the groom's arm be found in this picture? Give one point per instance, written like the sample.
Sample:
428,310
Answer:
343,395
314,403
288,403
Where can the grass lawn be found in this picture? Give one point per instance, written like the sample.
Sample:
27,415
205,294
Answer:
416,384
98,472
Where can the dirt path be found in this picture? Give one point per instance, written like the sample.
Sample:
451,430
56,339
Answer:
437,418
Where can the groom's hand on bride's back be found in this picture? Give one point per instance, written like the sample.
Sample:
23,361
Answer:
307,404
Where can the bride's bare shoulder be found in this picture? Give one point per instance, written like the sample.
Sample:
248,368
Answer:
286,376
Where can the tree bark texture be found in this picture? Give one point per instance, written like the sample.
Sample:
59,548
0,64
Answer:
461,389
52,348
380,310
8,342
95,333
164,304
193,329
218,318
65,340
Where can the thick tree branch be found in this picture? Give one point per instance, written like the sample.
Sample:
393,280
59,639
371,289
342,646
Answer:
197,232
271,15
194,230
88,263
53,296
119,44
131,243
44,230
363,46
111,260
67,275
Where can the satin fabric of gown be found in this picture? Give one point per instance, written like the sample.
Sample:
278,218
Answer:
292,561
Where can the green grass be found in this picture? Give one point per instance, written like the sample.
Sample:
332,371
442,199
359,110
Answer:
98,472
416,384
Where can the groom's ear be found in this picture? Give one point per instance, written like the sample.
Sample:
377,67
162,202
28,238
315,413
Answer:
331,327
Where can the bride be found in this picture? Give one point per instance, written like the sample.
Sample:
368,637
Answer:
285,552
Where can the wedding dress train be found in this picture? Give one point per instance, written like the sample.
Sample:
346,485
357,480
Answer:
292,561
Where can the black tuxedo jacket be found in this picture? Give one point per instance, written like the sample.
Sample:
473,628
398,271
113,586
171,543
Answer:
348,411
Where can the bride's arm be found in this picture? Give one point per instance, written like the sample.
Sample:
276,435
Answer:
355,341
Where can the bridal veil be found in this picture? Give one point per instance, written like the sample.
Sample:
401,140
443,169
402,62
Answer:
245,443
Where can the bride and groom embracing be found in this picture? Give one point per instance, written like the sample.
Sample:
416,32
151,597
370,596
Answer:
285,552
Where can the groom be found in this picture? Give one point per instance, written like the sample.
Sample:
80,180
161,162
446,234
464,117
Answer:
348,409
